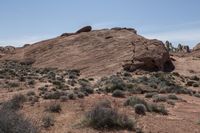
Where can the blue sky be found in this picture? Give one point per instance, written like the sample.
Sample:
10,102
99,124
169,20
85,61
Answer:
28,21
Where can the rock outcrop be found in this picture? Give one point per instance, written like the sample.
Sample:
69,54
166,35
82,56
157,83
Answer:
197,47
99,52
180,48
84,29
149,55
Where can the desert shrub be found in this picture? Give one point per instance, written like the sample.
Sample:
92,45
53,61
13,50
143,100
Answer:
118,93
12,122
143,79
15,103
158,109
174,89
104,103
13,84
31,82
30,93
43,89
150,94
153,85
176,74
136,90
102,116
172,97
54,108
72,96
127,74
197,95
195,85
48,121
132,101
159,98
72,82
140,109
190,83
115,83
170,102
33,99
194,78
87,88
52,95
80,95
91,79
63,98
57,83
51,75
22,79
27,61
72,74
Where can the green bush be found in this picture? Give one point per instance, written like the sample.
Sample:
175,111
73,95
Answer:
118,93
158,109
170,102
13,84
31,82
194,78
48,121
72,96
12,122
104,117
172,97
132,101
54,108
52,95
159,98
86,88
30,93
150,94
15,103
63,98
195,85
197,95
80,95
140,109
190,83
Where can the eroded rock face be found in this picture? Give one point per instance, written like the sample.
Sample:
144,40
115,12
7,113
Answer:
183,48
197,47
180,48
150,55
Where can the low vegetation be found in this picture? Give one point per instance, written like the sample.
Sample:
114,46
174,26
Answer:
12,122
48,121
54,108
103,116
133,101
15,103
